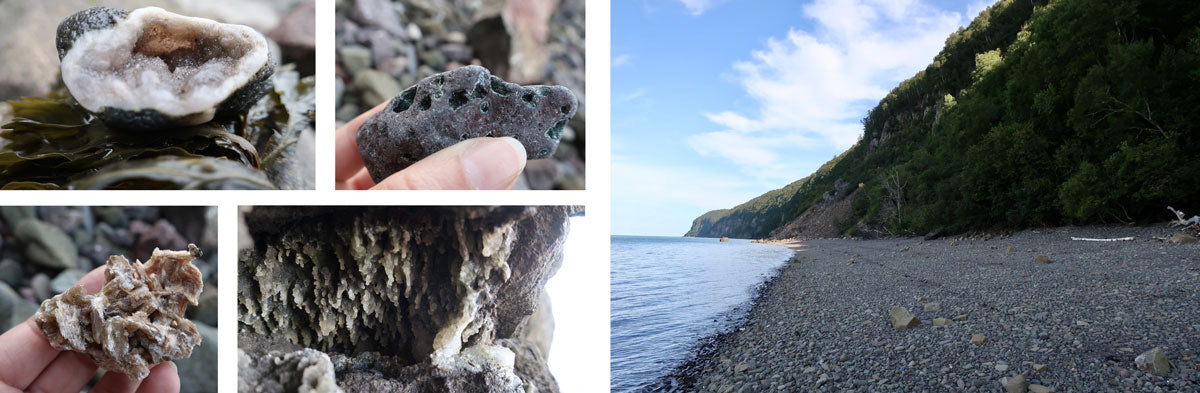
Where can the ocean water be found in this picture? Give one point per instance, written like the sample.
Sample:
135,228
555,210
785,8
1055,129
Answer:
670,292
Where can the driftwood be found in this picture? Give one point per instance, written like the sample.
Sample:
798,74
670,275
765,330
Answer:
1088,239
1193,222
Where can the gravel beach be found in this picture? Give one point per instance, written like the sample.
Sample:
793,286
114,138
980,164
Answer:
1075,324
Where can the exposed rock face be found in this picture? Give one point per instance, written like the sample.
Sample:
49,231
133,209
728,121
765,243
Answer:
405,299
137,319
452,106
823,219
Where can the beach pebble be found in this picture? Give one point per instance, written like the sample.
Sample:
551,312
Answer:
902,319
1014,384
1035,388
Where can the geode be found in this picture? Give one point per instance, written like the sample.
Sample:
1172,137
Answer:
149,69
453,106
404,299
136,321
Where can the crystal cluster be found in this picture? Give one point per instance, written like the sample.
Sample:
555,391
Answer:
136,321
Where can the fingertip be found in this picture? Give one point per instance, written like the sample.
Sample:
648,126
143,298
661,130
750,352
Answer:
493,163
163,378
93,280
517,147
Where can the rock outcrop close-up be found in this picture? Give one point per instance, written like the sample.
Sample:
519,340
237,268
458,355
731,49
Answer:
397,299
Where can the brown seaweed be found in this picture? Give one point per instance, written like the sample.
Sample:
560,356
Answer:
170,172
53,143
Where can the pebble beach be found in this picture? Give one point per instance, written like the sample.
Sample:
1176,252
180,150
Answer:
1030,311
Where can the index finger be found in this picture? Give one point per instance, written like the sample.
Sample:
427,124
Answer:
93,280
25,351
346,157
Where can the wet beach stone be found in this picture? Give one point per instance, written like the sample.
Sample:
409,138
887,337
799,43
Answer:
468,102
150,69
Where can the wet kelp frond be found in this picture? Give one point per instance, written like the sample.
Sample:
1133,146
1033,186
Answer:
53,143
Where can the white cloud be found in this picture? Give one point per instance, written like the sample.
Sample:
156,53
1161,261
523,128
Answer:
630,96
697,7
621,60
811,88
734,121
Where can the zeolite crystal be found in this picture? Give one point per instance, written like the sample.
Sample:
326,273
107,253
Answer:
150,69
468,102
136,321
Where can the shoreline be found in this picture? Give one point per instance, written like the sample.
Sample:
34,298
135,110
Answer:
732,361
683,375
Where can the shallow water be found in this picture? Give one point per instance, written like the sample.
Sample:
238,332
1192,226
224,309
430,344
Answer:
669,292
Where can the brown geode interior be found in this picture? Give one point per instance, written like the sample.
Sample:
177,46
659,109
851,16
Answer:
185,45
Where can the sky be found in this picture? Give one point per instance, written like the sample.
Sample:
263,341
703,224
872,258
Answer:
715,102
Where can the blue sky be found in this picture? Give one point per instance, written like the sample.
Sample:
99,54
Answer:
715,102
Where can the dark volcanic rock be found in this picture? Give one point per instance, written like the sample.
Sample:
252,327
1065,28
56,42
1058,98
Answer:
478,373
403,299
305,370
452,106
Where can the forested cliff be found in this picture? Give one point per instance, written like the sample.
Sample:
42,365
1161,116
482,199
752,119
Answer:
1041,112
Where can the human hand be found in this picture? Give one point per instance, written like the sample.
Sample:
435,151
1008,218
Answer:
29,364
473,164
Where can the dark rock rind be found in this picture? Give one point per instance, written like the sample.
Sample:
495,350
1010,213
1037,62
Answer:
84,21
238,103
464,103
244,98
149,119
373,372
134,120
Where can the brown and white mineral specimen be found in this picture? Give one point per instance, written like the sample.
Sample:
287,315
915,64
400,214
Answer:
136,320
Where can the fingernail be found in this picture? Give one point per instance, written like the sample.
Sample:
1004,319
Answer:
493,163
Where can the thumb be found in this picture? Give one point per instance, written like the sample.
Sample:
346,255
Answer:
473,164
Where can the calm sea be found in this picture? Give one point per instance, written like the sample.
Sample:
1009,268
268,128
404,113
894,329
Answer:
669,292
